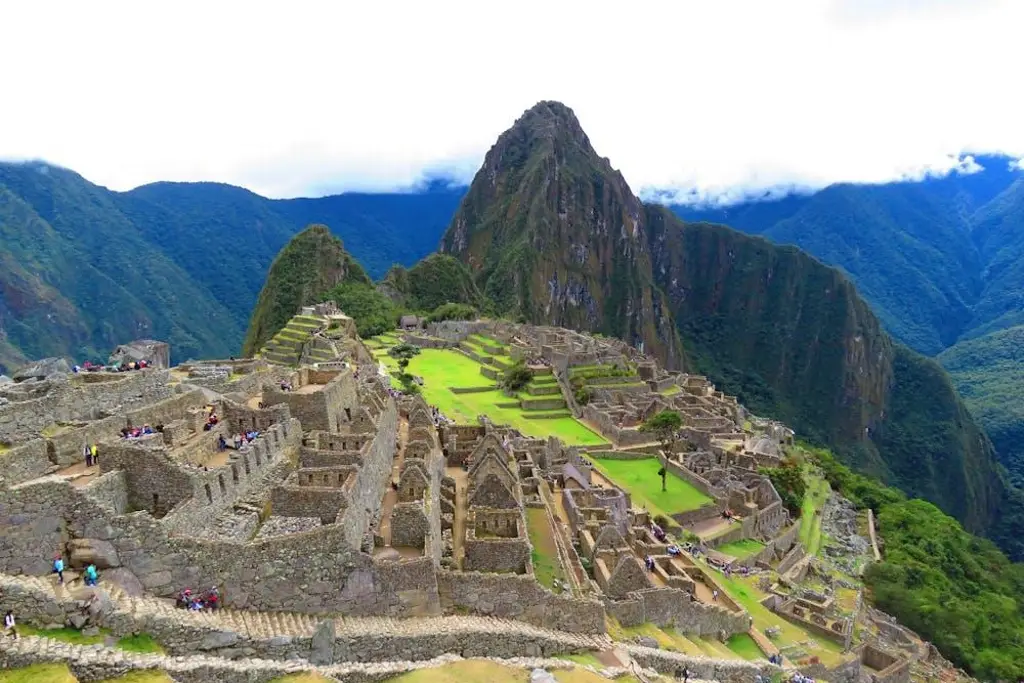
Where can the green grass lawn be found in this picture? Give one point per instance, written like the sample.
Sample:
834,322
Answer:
742,548
743,645
744,592
39,673
640,478
818,491
546,566
442,369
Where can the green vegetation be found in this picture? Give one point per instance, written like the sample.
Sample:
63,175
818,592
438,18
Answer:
810,513
435,281
146,676
140,642
442,370
957,590
642,480
65,635
200,256
742,548
453,312
546,565
743,645
989,373
373,312
665,427
38,673
515,378
310,264
788,479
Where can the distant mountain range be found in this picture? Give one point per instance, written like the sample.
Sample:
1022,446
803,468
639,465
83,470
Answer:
83,268
941,261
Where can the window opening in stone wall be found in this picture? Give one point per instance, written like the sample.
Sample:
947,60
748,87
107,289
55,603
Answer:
156,503
209,493
220,480
234,473
348,414
245,462
259,461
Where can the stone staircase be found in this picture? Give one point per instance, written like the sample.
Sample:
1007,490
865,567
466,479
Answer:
264,626
285,348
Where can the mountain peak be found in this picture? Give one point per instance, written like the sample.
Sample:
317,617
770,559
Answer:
310,264
549,119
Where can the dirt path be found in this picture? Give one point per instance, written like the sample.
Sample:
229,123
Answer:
390,494
461,478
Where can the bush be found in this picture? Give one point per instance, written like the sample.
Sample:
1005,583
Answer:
788,480
583,395
516,378
373,312
452,311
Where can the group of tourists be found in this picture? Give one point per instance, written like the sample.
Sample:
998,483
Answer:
139,432
91,454
88,366
238,440
207,600
90,576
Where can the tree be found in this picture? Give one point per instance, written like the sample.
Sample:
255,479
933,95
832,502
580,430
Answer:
516,377
665,427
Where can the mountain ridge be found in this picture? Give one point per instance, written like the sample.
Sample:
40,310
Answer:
553,230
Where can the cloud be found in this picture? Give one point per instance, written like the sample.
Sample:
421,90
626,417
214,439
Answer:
705,98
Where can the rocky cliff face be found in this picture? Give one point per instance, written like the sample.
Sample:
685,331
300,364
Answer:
554,235
311,264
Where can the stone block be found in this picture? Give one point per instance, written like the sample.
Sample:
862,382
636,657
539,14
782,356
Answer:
85,551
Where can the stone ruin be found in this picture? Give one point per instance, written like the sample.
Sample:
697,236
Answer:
353,501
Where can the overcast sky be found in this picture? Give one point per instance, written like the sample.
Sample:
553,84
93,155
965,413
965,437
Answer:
306,98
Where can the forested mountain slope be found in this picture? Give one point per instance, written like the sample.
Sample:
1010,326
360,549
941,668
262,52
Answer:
84,268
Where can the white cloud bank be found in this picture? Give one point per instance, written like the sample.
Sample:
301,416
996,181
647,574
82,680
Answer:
305,98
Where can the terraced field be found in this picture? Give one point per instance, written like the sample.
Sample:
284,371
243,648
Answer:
455,382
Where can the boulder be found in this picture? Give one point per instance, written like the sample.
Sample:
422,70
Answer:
85,551
647,641
322,645
218,639
542,676
42,369
125,580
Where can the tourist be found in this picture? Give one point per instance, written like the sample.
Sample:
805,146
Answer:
58,568
714,594
91,576
221,443
87,452
9,624
95,454
758,679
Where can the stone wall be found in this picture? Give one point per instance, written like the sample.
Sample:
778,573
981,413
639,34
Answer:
409,525
675,607
25,462
517,597
328,408
374,474
76,400
314,572
496,554
308,501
